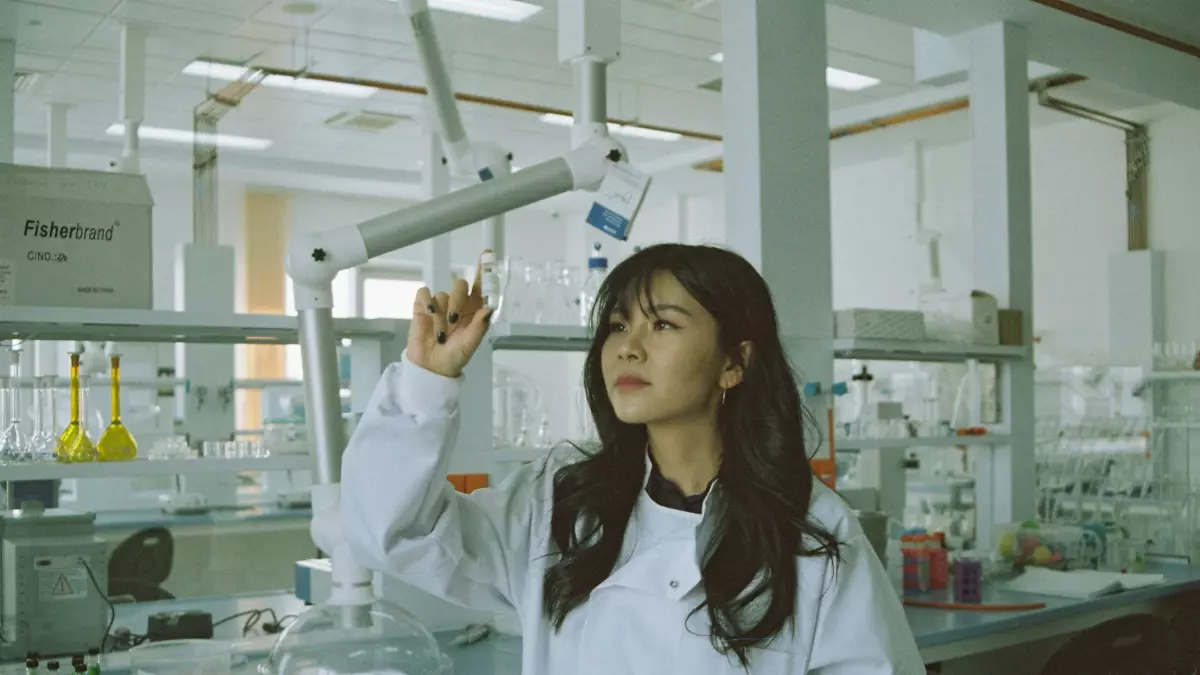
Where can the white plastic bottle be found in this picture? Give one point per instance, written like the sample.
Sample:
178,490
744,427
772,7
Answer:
597,268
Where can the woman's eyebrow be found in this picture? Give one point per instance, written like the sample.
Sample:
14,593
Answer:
659,309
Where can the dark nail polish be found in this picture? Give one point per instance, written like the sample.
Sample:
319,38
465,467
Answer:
453,317
432,309
441,337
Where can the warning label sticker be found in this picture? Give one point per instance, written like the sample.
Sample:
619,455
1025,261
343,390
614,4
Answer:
64,583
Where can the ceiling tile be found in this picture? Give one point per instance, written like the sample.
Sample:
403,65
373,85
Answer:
90,6
376,20
350,43
269,32
669,18
51,31
242,9
159,15
37,63
274,13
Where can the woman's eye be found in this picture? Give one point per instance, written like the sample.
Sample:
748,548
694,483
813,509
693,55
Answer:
663,325
616,327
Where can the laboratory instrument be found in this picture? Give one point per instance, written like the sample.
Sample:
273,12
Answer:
43,445
597,269
116,443
490,281
74,444
14,444
348,629
52,567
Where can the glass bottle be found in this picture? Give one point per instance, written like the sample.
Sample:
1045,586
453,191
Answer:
43,446
116,443
74,445
14,444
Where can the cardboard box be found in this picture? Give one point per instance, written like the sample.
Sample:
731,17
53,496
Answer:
1011,327
74,238
880,324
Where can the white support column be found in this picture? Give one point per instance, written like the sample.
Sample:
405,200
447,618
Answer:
436,182
133,93
56,136
1000,160
8,71
777,204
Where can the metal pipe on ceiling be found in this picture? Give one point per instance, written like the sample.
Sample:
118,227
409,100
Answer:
914,115
1137,161
464,97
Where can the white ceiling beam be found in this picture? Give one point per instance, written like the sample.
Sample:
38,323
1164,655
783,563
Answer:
1062,40
939,60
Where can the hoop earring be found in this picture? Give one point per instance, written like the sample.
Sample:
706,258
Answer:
723,392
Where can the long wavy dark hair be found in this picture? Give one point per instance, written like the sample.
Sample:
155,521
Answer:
764,475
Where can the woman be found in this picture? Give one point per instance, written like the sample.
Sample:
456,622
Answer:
694,540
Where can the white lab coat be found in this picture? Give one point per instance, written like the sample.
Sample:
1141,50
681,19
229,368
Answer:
486,551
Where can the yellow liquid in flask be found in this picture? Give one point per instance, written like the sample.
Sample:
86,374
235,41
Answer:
116,443
74,444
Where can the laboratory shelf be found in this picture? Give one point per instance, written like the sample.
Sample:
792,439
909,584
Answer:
853,444
136,325
150,467
540,337
916,350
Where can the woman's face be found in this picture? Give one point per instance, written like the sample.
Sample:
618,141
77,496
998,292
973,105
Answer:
665,367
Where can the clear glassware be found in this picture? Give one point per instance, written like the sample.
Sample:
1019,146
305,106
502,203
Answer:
43,446
14,447
535,294
356,639
116,444
513,290
553,300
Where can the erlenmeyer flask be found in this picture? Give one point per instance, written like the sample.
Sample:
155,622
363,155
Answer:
14,444
43,447
116,443
74,445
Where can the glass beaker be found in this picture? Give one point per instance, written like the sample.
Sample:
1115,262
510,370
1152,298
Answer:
43,447
74,444
513,290
535,299
14,447
116,444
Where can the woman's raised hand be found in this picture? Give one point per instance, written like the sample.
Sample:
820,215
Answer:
447,328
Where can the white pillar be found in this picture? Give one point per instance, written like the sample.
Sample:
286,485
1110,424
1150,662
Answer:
1000,168
436,182
777,204
56,134
133,92
8,68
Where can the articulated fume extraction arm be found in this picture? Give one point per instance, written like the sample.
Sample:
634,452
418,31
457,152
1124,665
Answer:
589,39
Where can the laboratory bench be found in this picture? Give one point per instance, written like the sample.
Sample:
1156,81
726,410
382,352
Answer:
942,635
498,655
127,519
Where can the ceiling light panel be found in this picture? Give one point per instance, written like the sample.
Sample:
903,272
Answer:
513,11
187,136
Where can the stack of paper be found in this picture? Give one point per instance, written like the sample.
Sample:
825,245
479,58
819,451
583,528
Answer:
1078,583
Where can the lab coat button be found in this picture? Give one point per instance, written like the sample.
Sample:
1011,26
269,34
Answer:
674,584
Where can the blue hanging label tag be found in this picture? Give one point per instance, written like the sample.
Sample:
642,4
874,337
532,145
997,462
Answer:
618,200
485,174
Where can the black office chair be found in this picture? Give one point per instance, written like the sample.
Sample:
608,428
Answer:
140,564
1185,622
1138,644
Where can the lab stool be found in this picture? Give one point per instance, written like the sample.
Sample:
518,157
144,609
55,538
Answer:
1138,644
